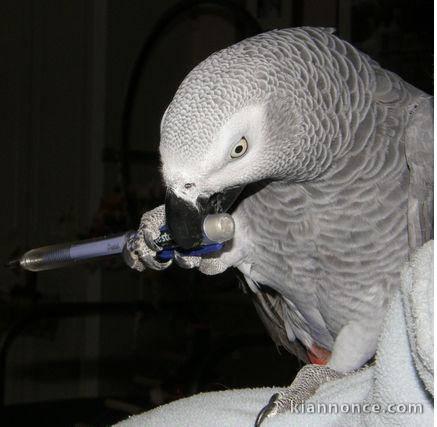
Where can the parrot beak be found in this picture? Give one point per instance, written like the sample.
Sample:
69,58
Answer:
185,220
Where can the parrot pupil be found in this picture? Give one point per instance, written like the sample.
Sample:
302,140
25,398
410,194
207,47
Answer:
238,149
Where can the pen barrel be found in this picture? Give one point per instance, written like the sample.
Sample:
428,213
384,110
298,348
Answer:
217,228
66,254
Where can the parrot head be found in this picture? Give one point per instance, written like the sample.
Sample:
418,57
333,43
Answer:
236,119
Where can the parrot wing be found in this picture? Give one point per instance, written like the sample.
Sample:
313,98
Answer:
419,149
272,309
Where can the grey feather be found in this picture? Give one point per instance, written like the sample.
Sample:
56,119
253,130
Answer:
272,312
419,154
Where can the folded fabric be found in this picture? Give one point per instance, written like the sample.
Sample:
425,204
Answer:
397,389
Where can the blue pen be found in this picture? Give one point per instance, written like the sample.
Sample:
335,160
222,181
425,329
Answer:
216,228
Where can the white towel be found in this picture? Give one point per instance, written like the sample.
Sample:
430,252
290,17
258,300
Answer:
400,380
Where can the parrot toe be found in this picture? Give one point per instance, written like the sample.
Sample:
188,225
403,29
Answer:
306,383
185,261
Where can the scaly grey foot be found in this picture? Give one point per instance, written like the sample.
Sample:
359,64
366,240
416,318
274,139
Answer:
306,383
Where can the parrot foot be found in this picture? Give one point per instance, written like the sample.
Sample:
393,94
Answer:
140,250
306,383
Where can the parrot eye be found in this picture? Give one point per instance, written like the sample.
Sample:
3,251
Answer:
240,148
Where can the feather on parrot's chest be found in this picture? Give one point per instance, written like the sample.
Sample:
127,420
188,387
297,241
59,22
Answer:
320,249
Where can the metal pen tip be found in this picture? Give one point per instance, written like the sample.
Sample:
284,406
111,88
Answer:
14,263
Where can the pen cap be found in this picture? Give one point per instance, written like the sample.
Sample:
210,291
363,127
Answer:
219,227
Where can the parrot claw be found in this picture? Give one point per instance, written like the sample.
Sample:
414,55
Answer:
306,383
268,411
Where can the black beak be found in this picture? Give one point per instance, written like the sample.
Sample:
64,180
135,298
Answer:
185,221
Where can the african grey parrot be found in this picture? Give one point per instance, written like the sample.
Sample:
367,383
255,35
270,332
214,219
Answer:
335,156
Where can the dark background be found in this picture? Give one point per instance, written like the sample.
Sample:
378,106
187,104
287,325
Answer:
81,100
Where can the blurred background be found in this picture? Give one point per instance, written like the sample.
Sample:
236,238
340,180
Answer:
83,86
